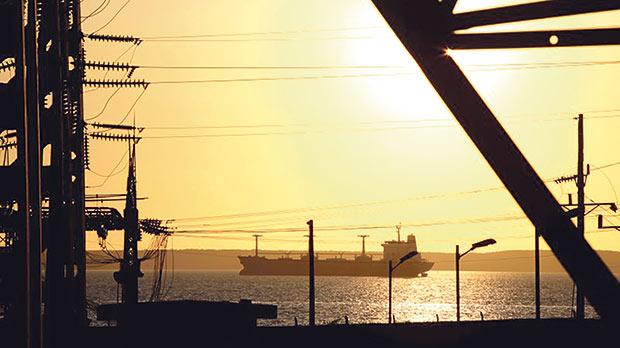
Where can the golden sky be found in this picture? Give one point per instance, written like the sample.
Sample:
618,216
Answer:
344,151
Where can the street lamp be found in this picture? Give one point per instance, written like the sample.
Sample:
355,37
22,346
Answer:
390,270
477,245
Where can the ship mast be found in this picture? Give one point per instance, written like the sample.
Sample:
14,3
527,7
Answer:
363,236
256,236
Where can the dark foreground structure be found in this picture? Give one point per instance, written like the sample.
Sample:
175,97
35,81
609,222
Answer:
513,333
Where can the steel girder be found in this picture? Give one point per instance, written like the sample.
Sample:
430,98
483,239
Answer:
427,28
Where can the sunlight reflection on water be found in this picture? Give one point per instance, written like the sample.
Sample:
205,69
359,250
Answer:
364,299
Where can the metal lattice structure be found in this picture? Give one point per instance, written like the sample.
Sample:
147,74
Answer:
20,197
427,29
62,130
42,110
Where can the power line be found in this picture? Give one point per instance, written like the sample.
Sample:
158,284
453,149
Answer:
330,207
492,67
105,105
272,67
262,33
292,78
333,207
112,172
432,119
281,78
355,227
132,106
601,117
300,132
605,166
271,39
303,130
339,206
113,17
104,4
485,67
530,66
267,125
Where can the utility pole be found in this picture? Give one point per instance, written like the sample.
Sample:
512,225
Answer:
33,235
256,236
390,270
311,297
426,29
22,284
580,205
537,270
129,273
458,285
363,236
579,209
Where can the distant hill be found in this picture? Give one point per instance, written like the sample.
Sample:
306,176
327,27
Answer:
503,261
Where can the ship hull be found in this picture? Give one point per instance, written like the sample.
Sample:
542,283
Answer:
253,265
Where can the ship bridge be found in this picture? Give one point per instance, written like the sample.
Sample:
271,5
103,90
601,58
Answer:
395,249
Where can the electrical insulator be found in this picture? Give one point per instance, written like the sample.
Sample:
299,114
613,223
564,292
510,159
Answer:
7,66
114,38
114,137
116,83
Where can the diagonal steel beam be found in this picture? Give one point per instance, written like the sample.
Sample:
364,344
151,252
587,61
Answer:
537,10
513,169
449,5
526,39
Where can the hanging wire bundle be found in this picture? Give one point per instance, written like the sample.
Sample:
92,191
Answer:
157,252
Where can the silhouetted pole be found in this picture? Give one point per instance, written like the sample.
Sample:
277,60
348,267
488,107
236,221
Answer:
391,269
390,291
458,256
33,156
537,271
458,293
129,273
580,205
256,236
363,236
311,271
26,310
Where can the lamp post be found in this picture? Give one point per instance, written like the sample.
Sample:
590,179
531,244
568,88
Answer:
311,298
601,224
390,270
458,257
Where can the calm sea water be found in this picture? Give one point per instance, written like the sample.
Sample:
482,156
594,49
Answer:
365,299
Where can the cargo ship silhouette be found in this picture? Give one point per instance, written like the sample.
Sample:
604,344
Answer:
362,265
